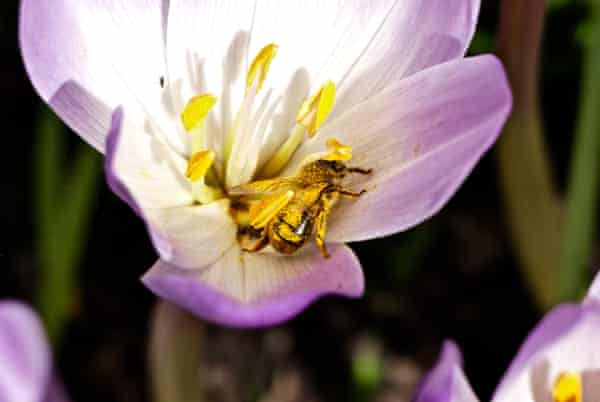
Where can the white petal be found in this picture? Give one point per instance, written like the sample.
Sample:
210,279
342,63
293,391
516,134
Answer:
195,236
357,44
142,170
207,53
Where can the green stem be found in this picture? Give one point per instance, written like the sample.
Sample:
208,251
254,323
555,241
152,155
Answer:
531,201
584,177
175,355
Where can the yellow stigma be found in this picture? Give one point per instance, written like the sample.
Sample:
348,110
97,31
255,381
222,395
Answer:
567,388
316,109
260,67
340,152
199,164
196,110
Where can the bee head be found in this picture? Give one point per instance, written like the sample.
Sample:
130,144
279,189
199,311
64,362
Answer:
333,168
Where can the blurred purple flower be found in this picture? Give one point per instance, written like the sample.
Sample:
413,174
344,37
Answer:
559,361
26,371
409,105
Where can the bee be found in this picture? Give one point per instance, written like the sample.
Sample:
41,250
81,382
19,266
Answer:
289,209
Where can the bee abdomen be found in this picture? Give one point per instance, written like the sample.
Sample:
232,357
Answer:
284,238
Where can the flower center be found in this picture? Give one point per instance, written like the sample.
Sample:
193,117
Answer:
567,388
280,211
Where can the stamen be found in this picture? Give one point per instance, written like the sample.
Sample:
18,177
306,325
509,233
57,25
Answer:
313,113
257,73
567,388
237,140
196,111
255,78
199,164
316,109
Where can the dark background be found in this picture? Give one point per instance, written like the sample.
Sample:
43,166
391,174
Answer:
455,276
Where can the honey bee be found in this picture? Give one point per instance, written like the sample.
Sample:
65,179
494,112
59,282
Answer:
289,209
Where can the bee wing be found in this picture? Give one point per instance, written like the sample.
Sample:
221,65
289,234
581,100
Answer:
264,210
263,187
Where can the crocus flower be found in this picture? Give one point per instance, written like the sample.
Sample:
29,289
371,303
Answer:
559,361
193,100
26,372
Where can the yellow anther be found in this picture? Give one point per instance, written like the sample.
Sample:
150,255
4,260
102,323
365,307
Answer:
567,388
199,164
314,110
340,152
264,210
260,67
196,110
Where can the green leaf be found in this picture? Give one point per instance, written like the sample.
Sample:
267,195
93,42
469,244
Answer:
64,195
582,198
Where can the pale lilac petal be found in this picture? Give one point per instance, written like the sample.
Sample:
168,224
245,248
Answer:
250,290
414,35
421,138
87,57
446,382
566,340
25,364
361,46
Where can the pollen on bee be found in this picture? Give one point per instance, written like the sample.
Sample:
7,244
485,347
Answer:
285,212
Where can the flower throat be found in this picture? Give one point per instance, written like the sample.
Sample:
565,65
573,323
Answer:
282,212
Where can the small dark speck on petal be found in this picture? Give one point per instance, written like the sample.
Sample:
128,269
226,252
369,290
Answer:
162,81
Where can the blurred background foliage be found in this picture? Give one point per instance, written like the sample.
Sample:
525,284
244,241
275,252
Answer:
518,238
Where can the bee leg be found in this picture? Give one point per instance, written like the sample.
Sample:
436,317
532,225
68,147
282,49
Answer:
253,240
327,202
359,170
321,230
257,245
349,193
